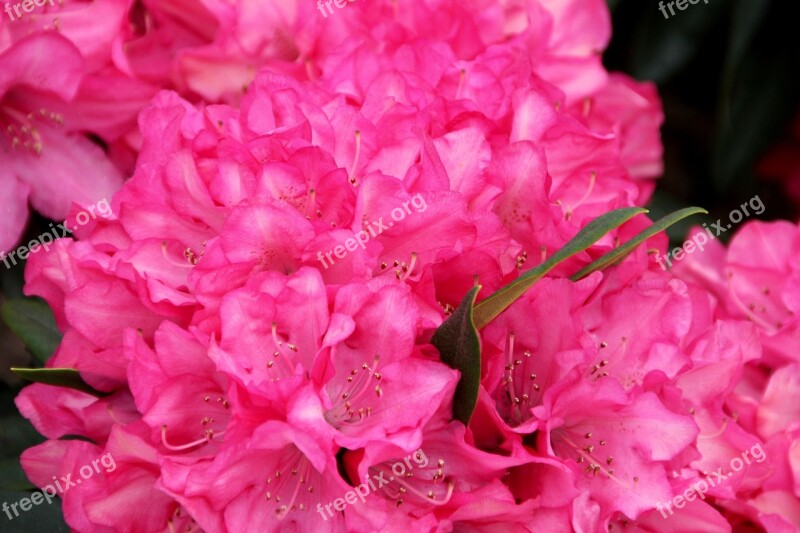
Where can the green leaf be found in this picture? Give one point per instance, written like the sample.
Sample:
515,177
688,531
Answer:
460,348
661,204
58,377
619,253
488,309
33,322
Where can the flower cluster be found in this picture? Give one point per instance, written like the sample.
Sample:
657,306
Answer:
76,74
245,387
67,92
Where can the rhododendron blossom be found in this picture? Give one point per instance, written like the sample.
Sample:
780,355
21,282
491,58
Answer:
242,384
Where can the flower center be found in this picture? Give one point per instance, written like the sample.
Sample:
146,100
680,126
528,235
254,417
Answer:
520,389
586,449
206,423
291,487
412,483
19,128
284,362
352,404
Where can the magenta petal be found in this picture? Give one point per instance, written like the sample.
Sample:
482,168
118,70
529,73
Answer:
66,161
43,62
14,211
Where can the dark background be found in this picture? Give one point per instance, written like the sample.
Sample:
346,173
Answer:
729,76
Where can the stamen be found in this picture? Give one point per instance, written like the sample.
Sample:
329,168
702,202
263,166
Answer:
570,210
311,203
209,435
284,509
287,358
342,411
718,433
406,487
584,454
750,316
410,267
356,158
171,261
461,79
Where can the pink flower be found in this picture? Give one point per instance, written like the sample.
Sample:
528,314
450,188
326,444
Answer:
274,479
630,111
623,442
261,316
43,157
777,411
128,474
523,363
756,279
444,474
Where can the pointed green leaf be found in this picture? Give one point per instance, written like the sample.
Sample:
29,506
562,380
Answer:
491,307
32,321
58,377
618,254
460,348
